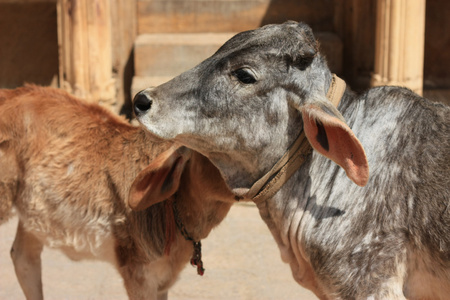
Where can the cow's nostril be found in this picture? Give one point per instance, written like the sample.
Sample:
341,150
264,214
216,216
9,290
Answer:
141,103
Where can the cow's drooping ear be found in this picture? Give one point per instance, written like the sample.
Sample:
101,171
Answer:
159,180
332,137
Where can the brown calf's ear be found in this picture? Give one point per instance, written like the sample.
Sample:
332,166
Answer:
332,138
159,180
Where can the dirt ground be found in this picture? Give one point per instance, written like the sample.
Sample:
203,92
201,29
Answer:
241,259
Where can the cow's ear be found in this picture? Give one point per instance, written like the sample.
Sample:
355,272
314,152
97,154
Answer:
159,180
332,137
306,50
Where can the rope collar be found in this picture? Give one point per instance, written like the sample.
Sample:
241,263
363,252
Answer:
294,157
336,90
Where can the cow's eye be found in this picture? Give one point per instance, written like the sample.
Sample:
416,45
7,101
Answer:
244,75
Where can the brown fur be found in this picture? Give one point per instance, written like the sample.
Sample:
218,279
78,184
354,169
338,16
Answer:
67,167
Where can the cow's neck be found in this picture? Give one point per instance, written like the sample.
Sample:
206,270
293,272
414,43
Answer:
269,184
284,213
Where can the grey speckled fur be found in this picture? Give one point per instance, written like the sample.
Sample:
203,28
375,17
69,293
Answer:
387,240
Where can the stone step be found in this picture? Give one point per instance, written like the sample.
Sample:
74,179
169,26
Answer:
155,16
173,53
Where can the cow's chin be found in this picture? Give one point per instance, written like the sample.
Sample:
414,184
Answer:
161,133
195,143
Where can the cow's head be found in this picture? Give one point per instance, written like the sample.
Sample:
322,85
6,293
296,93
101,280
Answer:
244,106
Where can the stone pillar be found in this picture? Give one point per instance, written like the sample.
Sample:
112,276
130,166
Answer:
400,40
85,43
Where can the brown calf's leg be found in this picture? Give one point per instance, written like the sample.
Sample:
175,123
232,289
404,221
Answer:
137,284
26,255
162,296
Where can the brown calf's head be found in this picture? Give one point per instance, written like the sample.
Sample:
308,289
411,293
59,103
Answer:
182,170
159,180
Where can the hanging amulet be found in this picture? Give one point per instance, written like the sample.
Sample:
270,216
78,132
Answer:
196,259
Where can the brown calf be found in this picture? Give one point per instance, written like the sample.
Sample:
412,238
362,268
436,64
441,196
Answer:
67,168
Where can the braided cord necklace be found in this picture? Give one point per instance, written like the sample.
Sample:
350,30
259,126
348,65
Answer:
196,259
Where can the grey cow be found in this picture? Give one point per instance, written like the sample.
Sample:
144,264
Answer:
385,237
